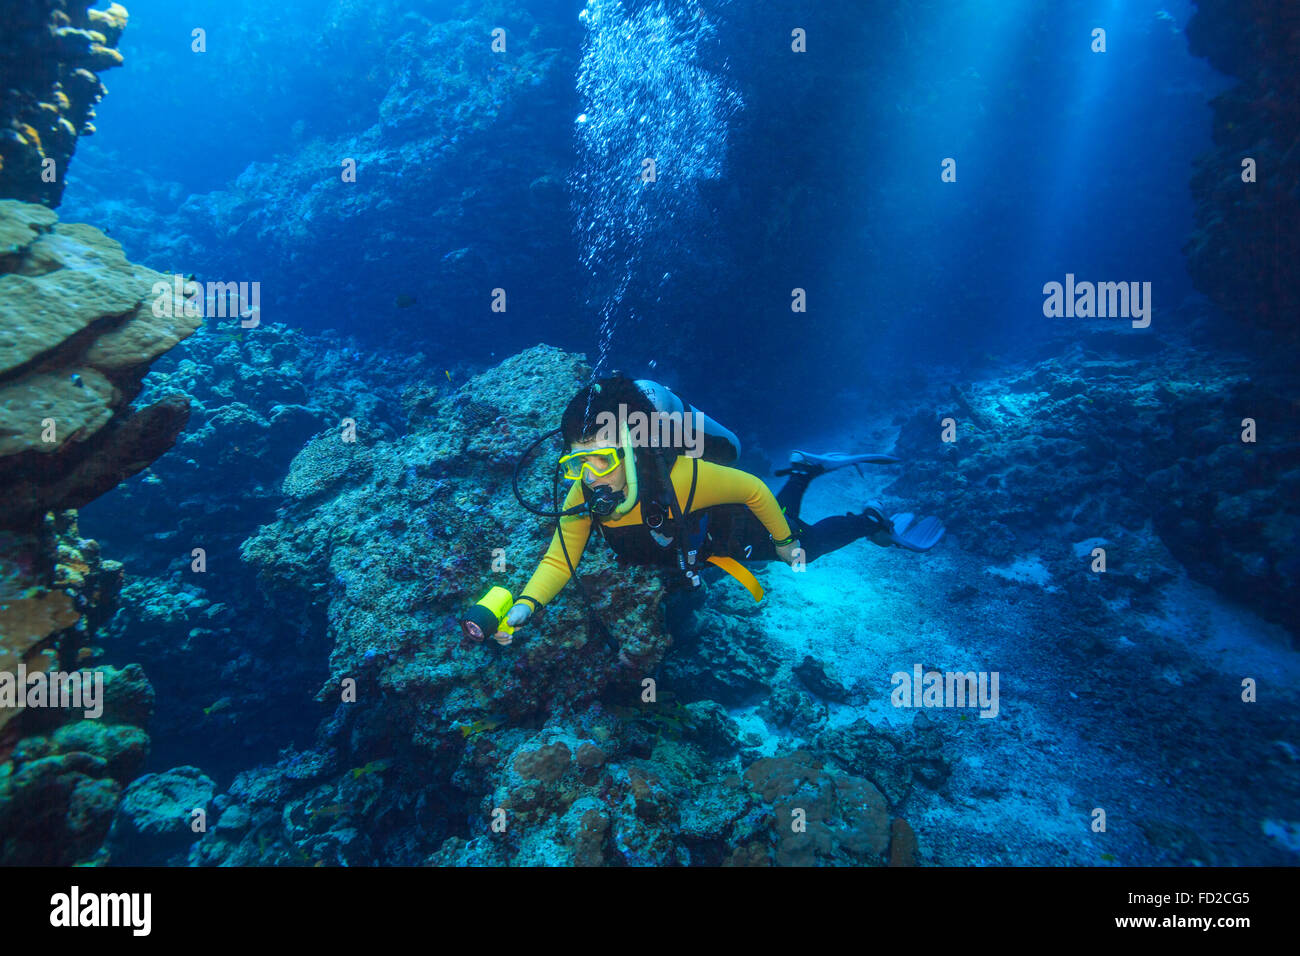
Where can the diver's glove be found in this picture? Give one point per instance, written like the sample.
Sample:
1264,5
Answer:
786,552
519,614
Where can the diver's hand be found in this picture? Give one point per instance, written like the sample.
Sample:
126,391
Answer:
519,614
788,552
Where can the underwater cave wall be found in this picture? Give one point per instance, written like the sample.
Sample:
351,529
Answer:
51,55
1243,252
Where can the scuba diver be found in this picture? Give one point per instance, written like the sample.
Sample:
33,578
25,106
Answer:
680,504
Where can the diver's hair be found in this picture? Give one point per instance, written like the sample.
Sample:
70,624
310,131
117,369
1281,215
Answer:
582,419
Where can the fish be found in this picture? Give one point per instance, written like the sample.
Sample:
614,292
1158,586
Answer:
331,811
217,706
375,766
448,374
479,726
405,301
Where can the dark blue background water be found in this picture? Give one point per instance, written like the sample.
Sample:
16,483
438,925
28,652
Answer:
1067,161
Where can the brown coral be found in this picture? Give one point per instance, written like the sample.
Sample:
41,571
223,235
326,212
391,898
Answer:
820,817
546,764
55,593
902,843
78,331
27,621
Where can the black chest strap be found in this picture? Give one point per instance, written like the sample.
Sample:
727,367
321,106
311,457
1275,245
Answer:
685,557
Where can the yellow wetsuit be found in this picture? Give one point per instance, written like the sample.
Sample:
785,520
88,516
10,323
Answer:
714,485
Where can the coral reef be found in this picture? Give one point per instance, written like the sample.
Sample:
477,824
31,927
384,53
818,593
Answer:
1102,442
818,816
59,788
397,537
56,592
79,332
61,772
414,127
51,55
558,806
257,397
154,825
542,752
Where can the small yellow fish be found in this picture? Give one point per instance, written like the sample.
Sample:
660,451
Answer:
329,812
448,374
217,706
480,725
375,766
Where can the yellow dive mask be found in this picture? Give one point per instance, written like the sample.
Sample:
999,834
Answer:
598,462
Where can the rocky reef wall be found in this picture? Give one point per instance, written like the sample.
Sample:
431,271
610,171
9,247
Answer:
1247,239
51,55
80,328
409,188
62,771
382,540
1116,434
78,331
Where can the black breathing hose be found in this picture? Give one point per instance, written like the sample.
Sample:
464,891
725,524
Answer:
593,619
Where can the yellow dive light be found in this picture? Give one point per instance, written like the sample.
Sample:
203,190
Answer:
487,618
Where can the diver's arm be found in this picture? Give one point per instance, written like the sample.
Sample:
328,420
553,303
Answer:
553,571
720,485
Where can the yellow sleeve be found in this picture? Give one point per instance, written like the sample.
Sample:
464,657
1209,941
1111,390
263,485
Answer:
553,571
720,485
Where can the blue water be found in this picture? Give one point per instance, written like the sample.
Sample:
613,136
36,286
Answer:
837,248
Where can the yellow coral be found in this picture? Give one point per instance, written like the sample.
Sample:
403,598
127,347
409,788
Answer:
111,21
105,57
29,135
